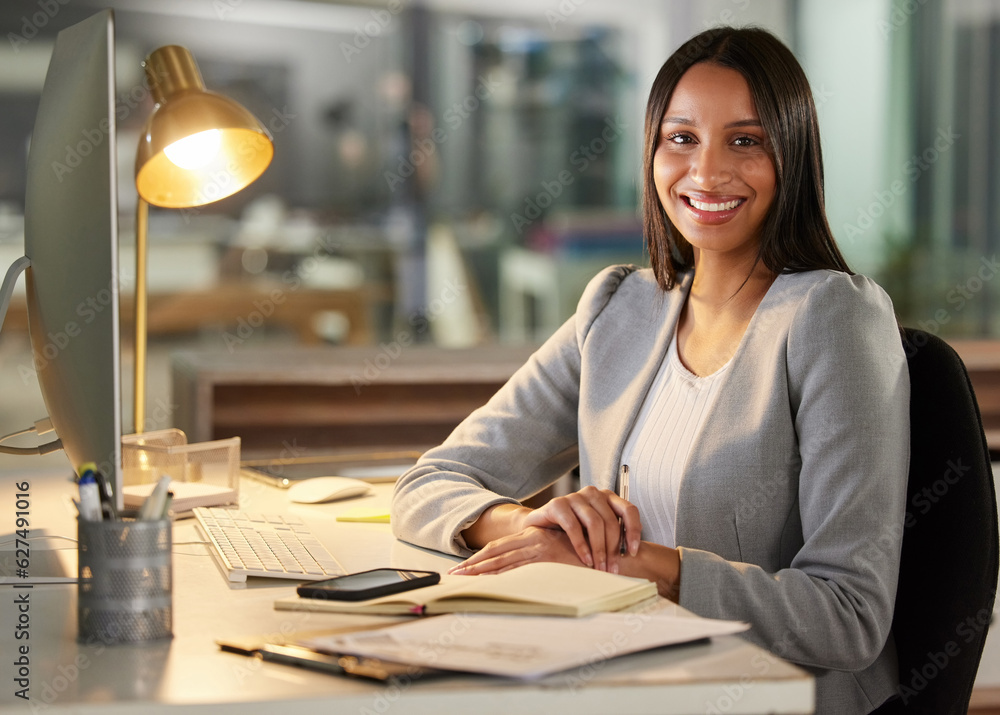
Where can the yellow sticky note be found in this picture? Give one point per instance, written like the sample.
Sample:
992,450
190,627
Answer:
365,514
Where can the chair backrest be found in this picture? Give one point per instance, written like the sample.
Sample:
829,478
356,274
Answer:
948,573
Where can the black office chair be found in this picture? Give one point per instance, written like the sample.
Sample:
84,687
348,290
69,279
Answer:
948,573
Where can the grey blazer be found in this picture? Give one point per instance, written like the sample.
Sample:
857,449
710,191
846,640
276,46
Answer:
791,510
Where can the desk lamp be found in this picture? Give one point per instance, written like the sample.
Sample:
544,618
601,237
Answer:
196,147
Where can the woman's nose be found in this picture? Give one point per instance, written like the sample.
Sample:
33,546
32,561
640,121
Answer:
711,167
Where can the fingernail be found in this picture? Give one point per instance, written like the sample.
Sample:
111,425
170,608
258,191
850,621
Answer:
614,568
589,560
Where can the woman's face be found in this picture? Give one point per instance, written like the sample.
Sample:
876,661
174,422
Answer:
712,167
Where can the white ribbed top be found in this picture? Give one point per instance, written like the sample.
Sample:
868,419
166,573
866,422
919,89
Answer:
657,449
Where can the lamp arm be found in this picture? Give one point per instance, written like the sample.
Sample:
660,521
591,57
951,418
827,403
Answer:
7,289
139,398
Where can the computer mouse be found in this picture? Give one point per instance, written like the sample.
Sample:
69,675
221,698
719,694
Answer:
324,489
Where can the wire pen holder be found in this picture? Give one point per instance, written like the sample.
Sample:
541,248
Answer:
125,581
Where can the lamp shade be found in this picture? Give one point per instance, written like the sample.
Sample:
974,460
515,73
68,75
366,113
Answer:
197,146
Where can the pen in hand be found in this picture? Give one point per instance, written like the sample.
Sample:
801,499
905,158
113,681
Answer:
623,493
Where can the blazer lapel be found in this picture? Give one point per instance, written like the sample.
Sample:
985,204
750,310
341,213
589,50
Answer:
666,315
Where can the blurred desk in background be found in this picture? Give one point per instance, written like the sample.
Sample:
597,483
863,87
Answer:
337,398
248,306
982,360
240,308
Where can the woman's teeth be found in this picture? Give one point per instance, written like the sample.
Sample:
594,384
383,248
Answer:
701,206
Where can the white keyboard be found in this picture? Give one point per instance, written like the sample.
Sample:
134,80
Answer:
267,545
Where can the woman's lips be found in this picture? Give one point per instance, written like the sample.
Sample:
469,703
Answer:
714,210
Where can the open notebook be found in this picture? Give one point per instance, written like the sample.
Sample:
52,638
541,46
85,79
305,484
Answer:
538,589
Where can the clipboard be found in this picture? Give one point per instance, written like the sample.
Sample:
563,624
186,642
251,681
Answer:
337,664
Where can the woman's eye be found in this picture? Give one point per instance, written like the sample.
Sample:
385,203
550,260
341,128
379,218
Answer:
677,138
746,141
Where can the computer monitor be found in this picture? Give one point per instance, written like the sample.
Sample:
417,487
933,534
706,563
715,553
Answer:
71,242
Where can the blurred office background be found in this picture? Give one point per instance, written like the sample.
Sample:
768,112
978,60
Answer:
452,172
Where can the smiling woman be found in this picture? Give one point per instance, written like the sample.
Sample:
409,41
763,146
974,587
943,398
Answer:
752,388
712,168
778,119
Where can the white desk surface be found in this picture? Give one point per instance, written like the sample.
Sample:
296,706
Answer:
189,671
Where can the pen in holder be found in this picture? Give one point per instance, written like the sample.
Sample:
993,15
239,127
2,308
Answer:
125,581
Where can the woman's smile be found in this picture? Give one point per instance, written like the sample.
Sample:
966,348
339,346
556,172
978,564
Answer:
713,209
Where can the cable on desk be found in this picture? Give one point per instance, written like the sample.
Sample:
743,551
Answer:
12,435
14,540
7,542
41,449
42,426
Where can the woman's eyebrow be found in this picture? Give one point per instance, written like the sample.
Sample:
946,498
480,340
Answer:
740,123
745,123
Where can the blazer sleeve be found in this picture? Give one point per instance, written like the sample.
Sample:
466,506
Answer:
522,440
849,394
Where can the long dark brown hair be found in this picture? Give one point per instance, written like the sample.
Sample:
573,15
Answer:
795,235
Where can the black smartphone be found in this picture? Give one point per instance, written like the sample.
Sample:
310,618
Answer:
368,584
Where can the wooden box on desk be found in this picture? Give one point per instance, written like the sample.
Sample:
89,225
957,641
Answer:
329,399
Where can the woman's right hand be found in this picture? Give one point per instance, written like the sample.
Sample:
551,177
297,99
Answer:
590,518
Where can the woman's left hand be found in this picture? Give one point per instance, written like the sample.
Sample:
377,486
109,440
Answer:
535,543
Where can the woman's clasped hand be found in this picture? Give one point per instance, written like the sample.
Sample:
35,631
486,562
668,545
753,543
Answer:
583,528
